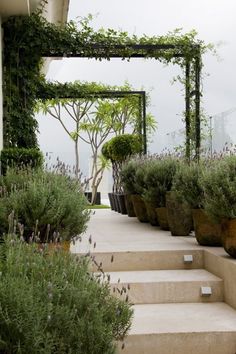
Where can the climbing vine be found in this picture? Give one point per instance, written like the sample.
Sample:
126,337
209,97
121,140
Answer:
29,38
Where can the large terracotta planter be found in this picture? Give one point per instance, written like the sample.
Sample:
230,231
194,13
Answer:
207,232
129,205
229,236
151,213
162,218
179,216
139,208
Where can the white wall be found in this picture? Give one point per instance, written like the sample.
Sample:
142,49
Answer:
1,100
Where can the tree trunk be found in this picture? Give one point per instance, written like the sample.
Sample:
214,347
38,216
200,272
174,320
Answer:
76,159
96,182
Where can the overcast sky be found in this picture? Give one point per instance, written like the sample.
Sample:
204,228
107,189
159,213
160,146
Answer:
214,21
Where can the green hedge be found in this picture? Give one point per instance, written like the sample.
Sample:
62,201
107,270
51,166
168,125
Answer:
20,157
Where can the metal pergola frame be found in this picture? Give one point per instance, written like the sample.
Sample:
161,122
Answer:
111,94
156,51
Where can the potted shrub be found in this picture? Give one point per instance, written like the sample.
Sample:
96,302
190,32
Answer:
128,184
219,185
178,209
161,173
132,179
189,189
117,150
139,183
150,192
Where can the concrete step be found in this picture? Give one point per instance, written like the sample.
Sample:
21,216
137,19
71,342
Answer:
164,259
182,329
166,286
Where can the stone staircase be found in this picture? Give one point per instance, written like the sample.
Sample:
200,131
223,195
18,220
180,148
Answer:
178,306
177,311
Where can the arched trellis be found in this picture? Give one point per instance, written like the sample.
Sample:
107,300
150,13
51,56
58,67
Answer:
155,51
45,94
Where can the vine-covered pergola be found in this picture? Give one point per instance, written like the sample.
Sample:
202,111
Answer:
58,92
28,39
154,51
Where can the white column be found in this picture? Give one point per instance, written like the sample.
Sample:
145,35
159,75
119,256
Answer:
1,99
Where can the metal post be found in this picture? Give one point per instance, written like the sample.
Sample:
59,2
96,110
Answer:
187,110
197,108
140,125
144,123
211,137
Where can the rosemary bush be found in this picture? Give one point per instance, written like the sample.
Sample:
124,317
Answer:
54,305
159,174
47,204
219,186
128,172
187,185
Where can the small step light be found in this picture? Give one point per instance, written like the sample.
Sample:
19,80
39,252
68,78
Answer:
206,291
188,258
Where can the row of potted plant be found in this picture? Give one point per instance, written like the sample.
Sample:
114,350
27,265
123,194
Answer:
167,191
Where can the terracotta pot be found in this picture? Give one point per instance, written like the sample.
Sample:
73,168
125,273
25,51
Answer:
179,216
151,213
129,205
139,208
121,201
162,218
207,232
229,236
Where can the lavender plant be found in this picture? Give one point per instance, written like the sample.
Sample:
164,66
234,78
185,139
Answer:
54,305
45,203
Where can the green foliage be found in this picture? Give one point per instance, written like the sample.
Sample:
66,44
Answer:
127,173
49,206
20,157
106,150
187,184
97,111
98,206
28,38
133,174
54,305
140,176
219,186
113,109
158,179
120,147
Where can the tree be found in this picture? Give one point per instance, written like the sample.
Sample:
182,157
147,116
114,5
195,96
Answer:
76,110
95,120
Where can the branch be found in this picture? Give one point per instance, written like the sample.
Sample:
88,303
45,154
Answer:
71,115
